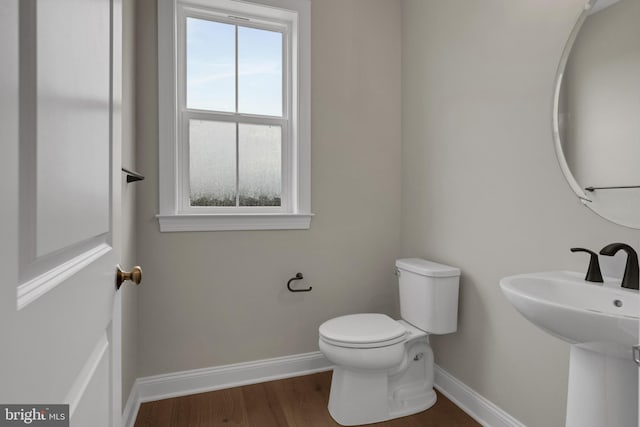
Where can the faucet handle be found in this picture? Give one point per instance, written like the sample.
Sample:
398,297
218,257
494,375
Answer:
593,272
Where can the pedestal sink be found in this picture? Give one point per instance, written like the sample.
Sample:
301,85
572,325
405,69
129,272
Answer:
602,324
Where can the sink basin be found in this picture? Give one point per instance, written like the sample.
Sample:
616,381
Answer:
565,305
602,322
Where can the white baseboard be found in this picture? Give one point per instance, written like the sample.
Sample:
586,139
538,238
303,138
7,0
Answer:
183,383
482,410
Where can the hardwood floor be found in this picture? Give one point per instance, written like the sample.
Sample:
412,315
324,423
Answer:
293,402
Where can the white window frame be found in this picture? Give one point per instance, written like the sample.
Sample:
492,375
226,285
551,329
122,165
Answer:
292,17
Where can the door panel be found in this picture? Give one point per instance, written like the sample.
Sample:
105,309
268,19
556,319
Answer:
87,393
72,120
59,179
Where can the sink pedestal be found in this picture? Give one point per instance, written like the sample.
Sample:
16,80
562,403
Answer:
603,388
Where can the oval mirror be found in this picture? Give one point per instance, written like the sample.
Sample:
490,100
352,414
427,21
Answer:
596,114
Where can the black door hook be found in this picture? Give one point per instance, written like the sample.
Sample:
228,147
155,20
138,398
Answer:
298,277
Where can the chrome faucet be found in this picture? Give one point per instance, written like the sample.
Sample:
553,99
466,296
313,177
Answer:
631,279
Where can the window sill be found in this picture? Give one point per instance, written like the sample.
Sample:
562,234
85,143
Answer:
225,222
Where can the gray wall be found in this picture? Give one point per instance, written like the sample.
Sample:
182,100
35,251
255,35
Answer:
220,297
482,189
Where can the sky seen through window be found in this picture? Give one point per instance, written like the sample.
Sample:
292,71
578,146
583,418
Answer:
227,168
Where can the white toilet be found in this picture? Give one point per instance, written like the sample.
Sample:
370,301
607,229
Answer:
384,367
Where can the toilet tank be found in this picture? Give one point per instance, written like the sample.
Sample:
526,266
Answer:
429,295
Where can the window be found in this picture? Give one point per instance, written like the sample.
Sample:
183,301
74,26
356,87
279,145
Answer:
234,114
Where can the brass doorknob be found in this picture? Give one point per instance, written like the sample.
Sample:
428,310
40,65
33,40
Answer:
135,275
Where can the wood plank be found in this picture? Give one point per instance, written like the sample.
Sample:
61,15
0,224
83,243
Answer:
154,414
292,402
304,400
216,409
263,406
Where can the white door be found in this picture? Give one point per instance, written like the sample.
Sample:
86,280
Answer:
59,201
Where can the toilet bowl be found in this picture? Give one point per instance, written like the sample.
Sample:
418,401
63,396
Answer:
363,341
383,368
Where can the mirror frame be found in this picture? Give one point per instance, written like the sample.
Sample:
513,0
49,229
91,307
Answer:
562,160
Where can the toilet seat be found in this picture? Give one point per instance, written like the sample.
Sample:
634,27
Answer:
366,330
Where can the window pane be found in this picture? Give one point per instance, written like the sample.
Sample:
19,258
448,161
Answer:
259,71
212,162
211,59
259,165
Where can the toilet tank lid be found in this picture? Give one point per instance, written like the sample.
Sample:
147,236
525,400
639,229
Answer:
427,268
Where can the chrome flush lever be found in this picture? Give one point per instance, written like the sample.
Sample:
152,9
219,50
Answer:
636,354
